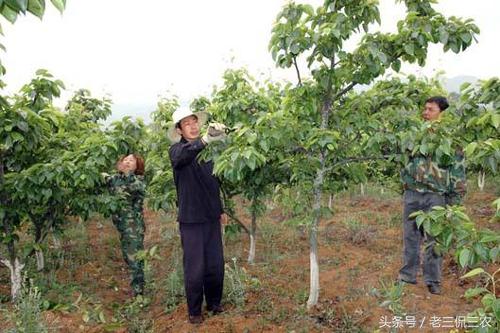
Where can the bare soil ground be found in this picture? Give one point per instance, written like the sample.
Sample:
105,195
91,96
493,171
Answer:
87,284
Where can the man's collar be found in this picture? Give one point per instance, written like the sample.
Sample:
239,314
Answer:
183,140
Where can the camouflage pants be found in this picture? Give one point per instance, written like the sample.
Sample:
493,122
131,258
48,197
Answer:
413,237
132,241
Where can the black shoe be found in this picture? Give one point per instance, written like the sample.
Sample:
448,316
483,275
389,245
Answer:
138,289
216,309
401,280
195,319
138,293
434,289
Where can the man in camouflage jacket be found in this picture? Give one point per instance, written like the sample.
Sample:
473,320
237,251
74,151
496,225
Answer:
129,221
426,184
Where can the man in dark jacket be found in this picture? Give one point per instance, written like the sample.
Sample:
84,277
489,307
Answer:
199,212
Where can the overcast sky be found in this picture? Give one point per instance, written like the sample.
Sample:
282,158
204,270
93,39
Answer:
137,50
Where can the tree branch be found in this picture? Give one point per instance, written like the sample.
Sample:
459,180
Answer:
231,215
344,91
358,159
327,100
234,218
297,70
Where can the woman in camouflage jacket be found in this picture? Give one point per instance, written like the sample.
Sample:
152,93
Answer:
129,186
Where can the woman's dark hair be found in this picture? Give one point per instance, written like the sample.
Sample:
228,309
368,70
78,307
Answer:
139,170
441,101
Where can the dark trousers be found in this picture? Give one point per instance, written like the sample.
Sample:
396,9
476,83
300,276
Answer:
131,242
413,237
203,264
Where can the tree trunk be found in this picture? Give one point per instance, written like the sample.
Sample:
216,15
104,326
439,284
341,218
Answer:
251,253
314,266
39,236
40,260
362,189
313,238
15,267
12,263
252,234
318,191
480,180
42,229
330,200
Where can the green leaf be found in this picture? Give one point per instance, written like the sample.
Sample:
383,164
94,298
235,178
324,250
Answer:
251,163
382,57
494,253
455,47
496,309
263,144
461,215
436,229
409,49
448,238
473,292
469,150
9,14
481,251
102,318
464,86
308,9
396,65
443,37
488,300
153,250
415,214
16,137
23,126
47,193
247,154
466,37
419,220
464,257
495,120
17,5
36,7
423,149
59,4
489,238
492,162
472,273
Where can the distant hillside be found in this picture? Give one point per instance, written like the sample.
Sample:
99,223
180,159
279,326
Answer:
134,110
144,110
453,84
